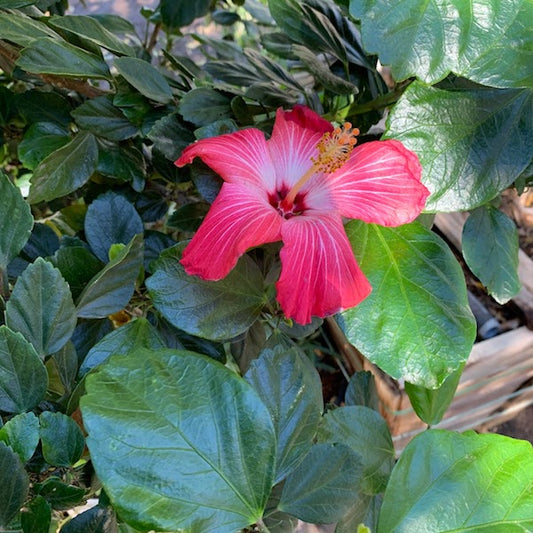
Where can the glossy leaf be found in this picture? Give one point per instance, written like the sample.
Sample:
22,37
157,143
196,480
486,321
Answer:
145,78
16,221
62,439
36,516
23,377
111,219
97,519
161,468
365,432
90,28
324,485
62,369
170,136
216,310
64,170
138,333
204,106
111,289
472,144
416,324
23,30
486,41
39,106
290,387
15,485
361,390
490,249
431,404
51,56
41,308
41,140
58,494
21,433
466,482
178,13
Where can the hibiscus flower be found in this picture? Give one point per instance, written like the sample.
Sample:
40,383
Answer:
296,187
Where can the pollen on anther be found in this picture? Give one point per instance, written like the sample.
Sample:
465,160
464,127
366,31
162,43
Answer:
335,147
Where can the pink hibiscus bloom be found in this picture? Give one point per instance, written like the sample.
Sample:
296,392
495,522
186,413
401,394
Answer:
296,187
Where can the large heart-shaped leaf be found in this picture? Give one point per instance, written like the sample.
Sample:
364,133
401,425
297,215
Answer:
290,387
179,441
472,144
41,308
416,323
216,310
445,481
485,41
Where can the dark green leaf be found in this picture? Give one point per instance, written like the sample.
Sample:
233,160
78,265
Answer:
138,333
219,127
431,404
225,18
41,139
21,433
16,221
61,438
62,369
122,162
41,308
188,217
203,106
101,117
114,23
49,56
290,387
88,333
445,481
361,390
111,219
15,4
324,485
365,432
471,144
111,289
58,494
490,249
23,30
488,42
362,516
145,78
178,13
14,486
161,468
36,516
154,243
216,310
23,378
65,170
416,323
170,137
95,520
39,106
90,28
246,348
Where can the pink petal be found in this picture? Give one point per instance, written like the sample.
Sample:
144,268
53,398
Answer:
380,184
239,218
319,274
292,146
238,157
307,118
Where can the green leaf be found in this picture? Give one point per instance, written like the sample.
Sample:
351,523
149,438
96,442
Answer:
170,136
431,404
21,433
95,520
416,324
23,378
14,486
203,106
16,221
49,56
216,310
40,106
90,28
472,144
361,390
488,42
64,170
41,308
62,369
41,139
161,468
23,30
188,217
138,333
323,486
15,4
365,432
101,117
58,494
490,249
61,438
290,387
36,516
445,481
111,289
111,219
145,78
178,13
